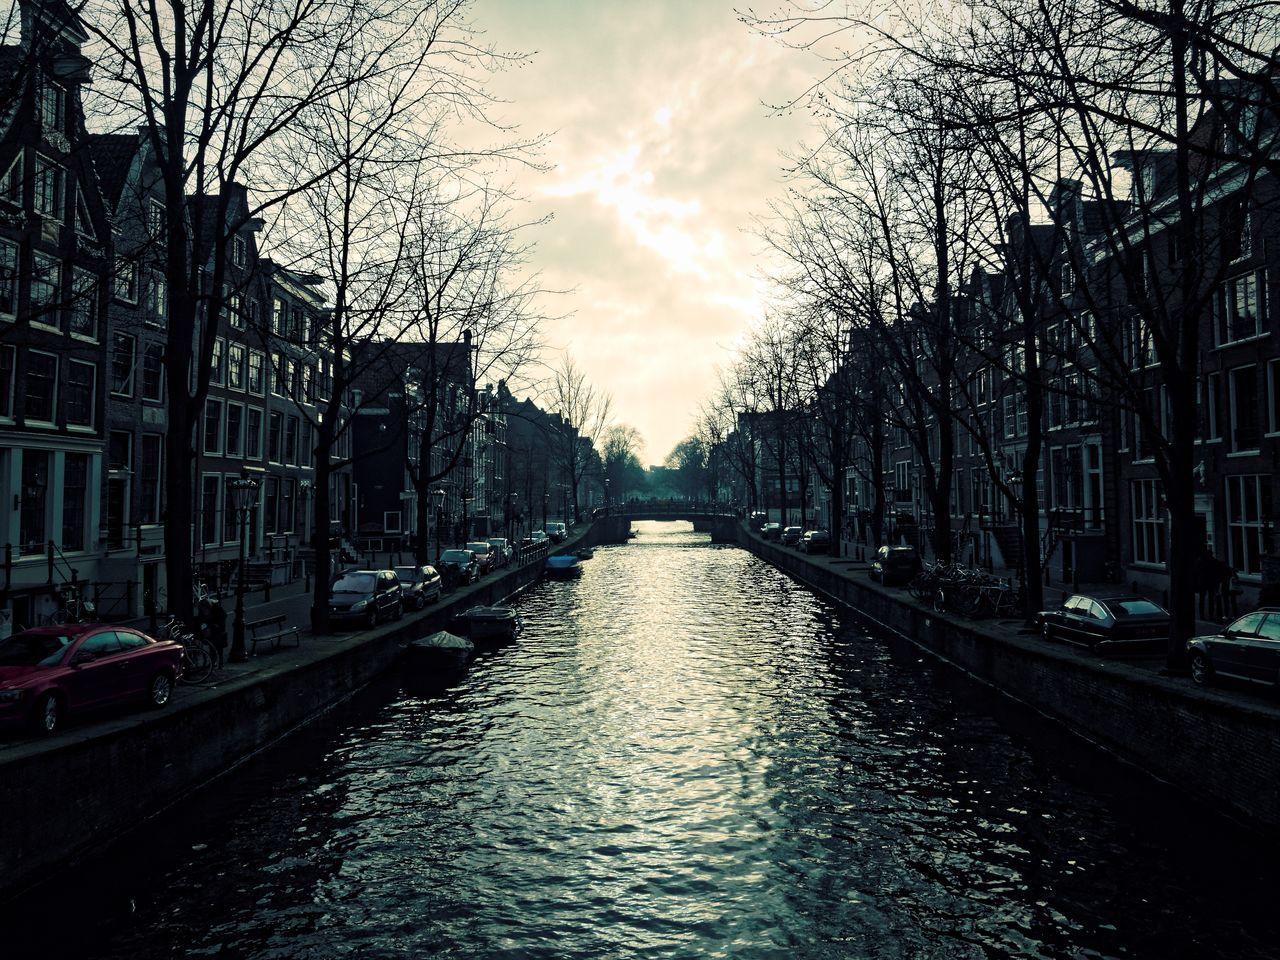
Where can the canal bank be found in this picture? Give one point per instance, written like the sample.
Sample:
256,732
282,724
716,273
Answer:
85,787
1220,746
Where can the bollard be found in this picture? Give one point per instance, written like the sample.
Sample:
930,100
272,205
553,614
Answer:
266,590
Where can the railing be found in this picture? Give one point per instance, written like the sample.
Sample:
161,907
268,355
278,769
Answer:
640,509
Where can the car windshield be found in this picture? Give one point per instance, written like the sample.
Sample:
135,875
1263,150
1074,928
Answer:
456,556
354,583
480,548
1134,608
497,543
32,649
406,574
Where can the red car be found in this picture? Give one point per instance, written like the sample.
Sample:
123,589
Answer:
49,672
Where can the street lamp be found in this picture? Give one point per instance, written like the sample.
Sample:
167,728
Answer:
437,497
546,499
244,493
606,494
511,509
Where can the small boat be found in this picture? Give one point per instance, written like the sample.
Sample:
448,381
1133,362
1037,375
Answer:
632,534
489,624
564,566
441,646
584,553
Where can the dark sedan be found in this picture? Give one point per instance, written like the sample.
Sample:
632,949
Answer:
49,672
459,567
1248,649
367,596
815,541
771,531
791,536
421,585
1095,621
895,565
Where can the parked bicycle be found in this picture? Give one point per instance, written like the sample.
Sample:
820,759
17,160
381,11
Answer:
199,655
75,607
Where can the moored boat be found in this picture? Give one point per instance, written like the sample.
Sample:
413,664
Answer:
584,553
564,566
489,624
438,647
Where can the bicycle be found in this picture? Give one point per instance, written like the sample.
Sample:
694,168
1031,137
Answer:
199,656
75,608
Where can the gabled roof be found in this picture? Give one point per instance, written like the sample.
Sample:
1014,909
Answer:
113,155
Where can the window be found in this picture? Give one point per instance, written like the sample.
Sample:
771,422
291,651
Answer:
50,181
46,288
1237,234
291,440
157,228
239,250
306,455
218,365
6,380
126,280
1140,347
157,299
78,395
75,487
153,372
32,518
1273,396
236,366
257,361
271,501
235,430
277,317
287,500
151,480
391,521
1066,280
11,183
235,312
230,516
1243,388
1148,522
53,107
1248,506
41,386
210,498
253,434
8,280
84,304
275,424
212,426
84,220
1212,404
280,375
1241,308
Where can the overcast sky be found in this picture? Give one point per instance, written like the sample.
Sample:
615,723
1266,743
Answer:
662,148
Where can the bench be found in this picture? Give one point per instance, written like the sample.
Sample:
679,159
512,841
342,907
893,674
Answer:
271,630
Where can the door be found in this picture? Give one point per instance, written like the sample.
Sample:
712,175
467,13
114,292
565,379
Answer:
1231,654
138,662
97,675
1263,651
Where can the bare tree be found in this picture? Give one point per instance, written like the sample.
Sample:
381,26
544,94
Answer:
585,411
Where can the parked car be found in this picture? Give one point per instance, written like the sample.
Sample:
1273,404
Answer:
421,585
1247,649
502,550
48,673
459,567
895,565
771,531
757,520
1094,621
791,536
815,541
538,536
369,596
558,532
484,555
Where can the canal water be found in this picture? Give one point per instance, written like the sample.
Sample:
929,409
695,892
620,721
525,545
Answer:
686,755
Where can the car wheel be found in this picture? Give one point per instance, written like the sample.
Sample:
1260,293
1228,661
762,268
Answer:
159,690
373,616
1047,631
420,602
1201,672
48,714
399,610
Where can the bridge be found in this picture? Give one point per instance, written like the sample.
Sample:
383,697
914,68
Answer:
615,520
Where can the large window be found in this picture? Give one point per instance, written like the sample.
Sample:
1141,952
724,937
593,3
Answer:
46,290
78,393
84,304
7,353
230,517
291,440
257,362
8,280
274,429
152,460
123,349
1248,504
236,366
210,501
153,372
218,366
41,386
212,426
157,299
235,430
11,182
1243,383
253,434
33,528
1148,522
50,187
75,487
1241,308
53,107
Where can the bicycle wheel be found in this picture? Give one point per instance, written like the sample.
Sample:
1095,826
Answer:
197,661
60,616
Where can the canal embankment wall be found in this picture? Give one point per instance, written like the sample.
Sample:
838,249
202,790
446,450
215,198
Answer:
90,785
1220,746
